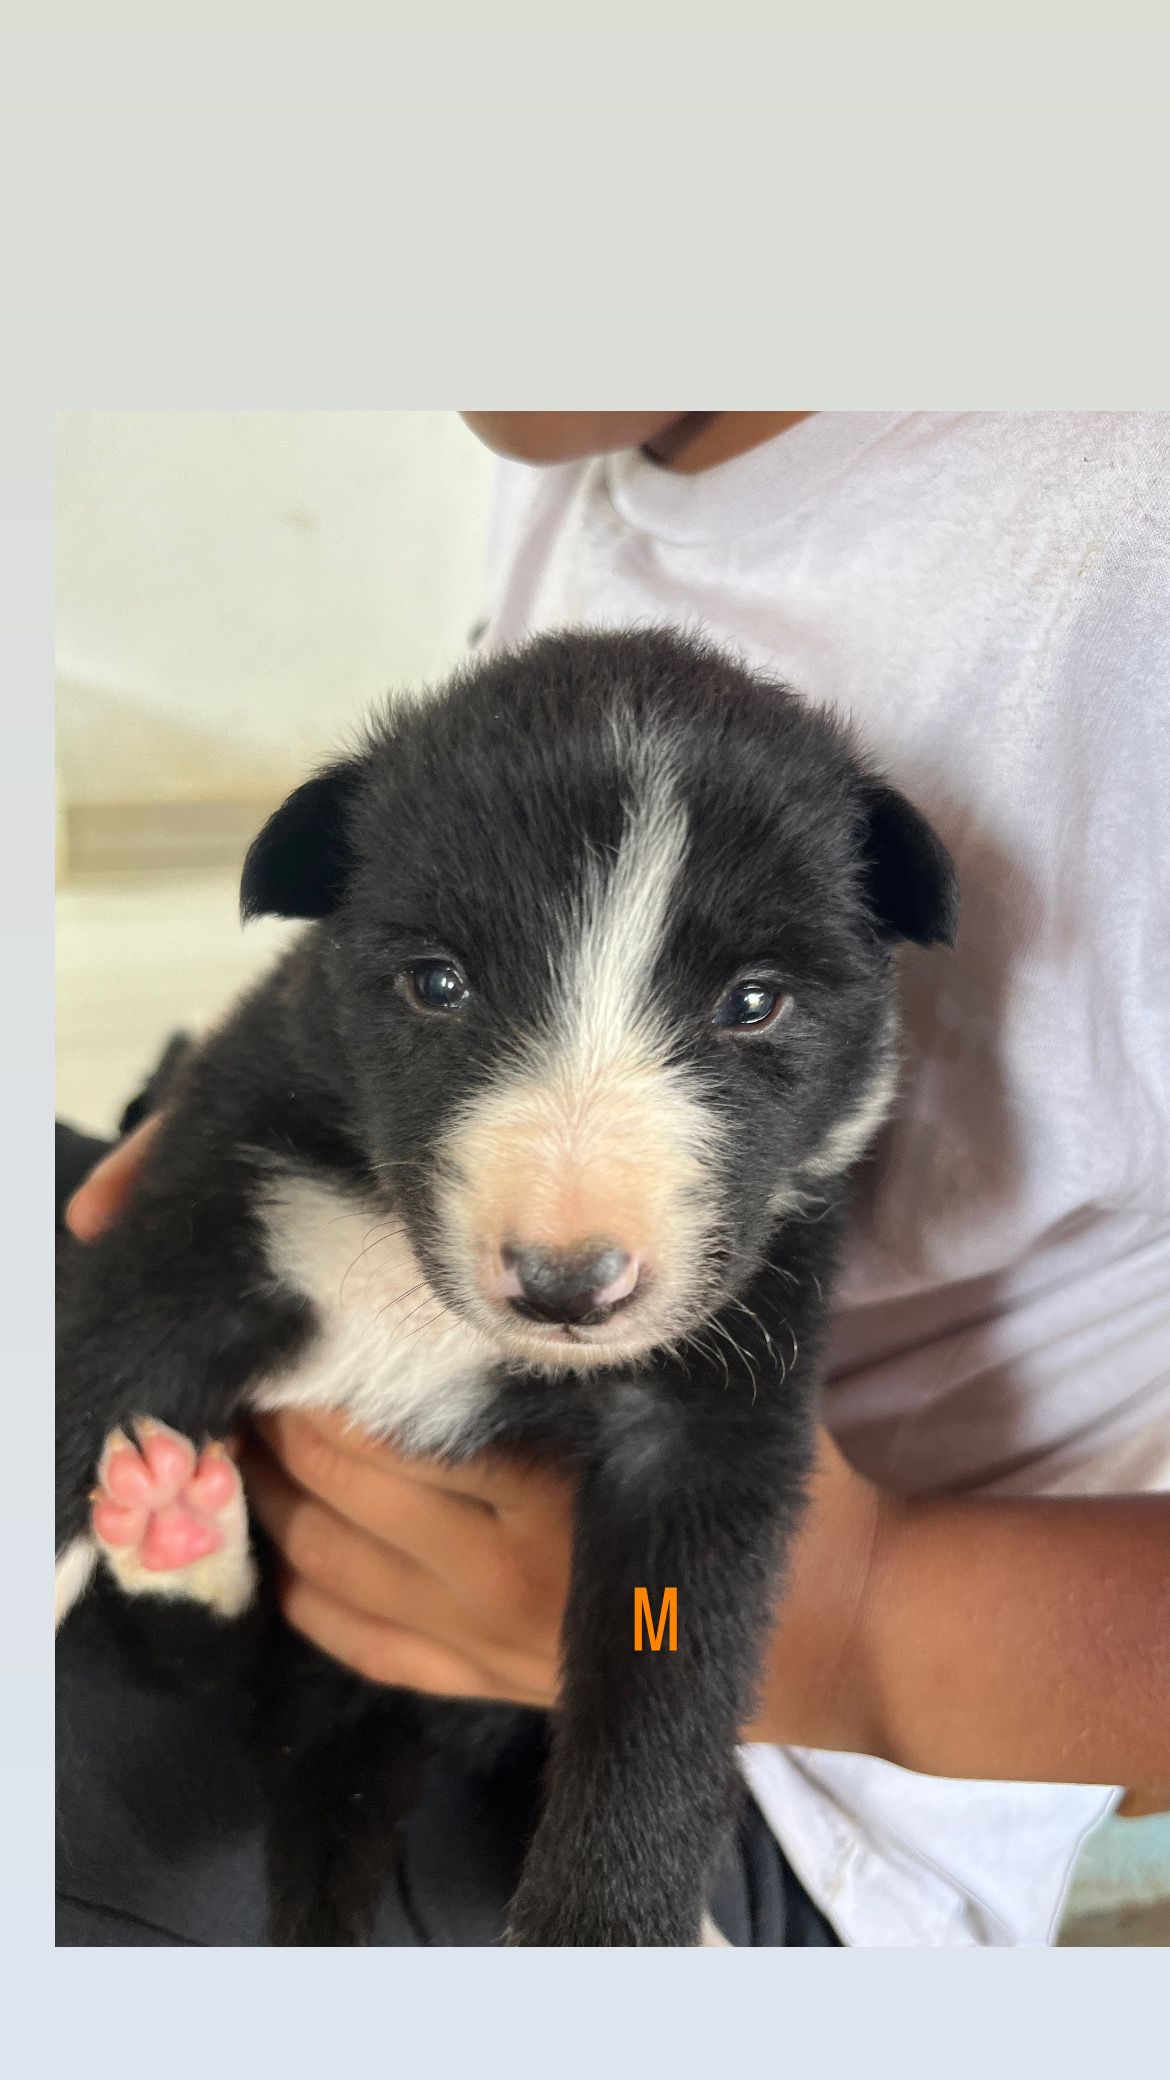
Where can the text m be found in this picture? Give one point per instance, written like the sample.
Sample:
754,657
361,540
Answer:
669,1610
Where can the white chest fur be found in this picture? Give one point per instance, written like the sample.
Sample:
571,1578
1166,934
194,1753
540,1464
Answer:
387,1350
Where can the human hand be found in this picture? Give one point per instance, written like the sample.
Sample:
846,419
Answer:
101,1198
448,1580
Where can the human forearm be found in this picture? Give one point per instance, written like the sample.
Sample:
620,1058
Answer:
1021,1640
1027,1639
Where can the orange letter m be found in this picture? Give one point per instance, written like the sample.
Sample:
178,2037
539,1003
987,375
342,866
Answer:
669,1609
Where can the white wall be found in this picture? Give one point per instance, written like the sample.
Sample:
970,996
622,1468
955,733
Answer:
235,588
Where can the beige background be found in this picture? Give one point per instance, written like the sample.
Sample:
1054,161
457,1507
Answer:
235,590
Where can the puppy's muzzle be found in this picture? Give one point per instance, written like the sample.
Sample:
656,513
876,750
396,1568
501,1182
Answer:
582,1287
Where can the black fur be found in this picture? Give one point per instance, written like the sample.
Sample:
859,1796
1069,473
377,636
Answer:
458,832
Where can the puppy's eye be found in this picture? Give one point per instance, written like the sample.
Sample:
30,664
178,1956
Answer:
434,986
750,1007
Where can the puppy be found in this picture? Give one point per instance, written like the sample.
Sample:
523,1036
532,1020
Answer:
537,1140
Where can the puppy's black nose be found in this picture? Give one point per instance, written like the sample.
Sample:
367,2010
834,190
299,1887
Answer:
582,1287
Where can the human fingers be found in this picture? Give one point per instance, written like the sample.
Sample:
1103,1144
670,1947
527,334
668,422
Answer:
515,1552
98,1201
371,1606
397,1550
501,1485
370,1490
370,1576
398,1654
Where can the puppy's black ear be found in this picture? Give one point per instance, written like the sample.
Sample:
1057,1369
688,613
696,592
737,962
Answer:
299,864
909,875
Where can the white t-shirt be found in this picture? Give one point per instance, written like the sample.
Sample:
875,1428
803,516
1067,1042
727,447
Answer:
987,597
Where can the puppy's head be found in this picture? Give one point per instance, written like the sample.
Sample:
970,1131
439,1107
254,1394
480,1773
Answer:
609,929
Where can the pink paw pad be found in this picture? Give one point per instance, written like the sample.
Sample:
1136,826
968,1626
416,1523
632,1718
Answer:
162,1498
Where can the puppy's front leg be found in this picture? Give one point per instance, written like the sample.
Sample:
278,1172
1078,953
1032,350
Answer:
642,1780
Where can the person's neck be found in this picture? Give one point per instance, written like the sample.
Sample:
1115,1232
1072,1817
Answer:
701,439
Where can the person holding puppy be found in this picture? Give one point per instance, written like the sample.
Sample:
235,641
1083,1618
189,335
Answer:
972,1656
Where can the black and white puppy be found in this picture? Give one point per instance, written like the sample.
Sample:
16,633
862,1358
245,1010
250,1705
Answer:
537,1140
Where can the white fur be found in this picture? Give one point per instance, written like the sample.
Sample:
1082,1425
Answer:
72,1576
615,935
387,1351
225,1581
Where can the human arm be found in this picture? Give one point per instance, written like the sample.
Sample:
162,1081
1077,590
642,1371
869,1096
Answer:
1022,1639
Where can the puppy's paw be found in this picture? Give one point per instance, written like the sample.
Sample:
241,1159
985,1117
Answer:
169,1521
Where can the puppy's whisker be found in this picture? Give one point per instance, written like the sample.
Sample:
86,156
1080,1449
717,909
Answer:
433,1323
738,1348
425,1302
713,1352
389,1305
372,1242
754,1317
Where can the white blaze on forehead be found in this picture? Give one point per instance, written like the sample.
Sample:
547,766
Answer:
590,1133
616,933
